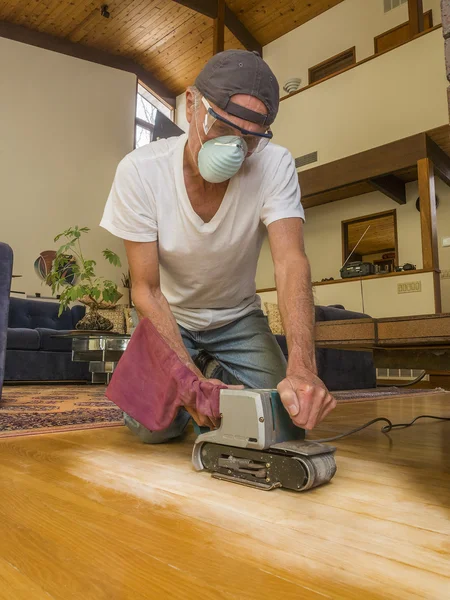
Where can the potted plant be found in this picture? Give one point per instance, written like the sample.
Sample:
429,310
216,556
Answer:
75,275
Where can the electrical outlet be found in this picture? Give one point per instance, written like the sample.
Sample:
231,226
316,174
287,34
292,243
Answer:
446,241
445,274
411,286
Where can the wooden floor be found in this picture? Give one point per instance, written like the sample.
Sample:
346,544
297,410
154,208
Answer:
97,515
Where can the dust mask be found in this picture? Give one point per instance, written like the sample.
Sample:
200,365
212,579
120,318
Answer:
221,158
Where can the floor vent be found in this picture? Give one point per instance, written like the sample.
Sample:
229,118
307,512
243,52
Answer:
400,374
306,159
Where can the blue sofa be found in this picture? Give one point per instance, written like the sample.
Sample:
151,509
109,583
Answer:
32,353
6,264
340,369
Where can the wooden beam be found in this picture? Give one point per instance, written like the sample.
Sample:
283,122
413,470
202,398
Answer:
241,32
363,166
209,9
416,22
219,28
440,160
18,33
428,226
391,186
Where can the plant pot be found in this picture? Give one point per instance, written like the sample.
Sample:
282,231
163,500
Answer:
94,321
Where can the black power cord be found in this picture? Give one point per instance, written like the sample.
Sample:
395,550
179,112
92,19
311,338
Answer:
408,384
386,429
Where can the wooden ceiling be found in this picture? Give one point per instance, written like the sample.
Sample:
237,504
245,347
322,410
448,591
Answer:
169,40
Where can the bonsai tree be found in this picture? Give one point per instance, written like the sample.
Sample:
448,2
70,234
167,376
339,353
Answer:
75,275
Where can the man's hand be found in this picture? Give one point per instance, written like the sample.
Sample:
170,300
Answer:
203,420
306,398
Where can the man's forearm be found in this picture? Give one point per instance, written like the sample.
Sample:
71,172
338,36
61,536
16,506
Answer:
295,300
154,306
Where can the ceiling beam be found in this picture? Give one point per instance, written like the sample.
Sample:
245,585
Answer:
416,23
370,164
390,186
219,28
208,8
440,160
50,42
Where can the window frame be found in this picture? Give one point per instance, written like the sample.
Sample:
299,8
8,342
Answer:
372,217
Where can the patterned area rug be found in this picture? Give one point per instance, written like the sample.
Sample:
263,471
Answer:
28,410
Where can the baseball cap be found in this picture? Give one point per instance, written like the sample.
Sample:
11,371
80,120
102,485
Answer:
240,72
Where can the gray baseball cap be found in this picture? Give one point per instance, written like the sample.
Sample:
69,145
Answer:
240,72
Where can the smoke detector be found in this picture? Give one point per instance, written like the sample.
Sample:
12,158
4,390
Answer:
292,85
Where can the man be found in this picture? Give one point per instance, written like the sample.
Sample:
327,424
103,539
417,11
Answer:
193,212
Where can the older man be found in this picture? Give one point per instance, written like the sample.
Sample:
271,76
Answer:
193,212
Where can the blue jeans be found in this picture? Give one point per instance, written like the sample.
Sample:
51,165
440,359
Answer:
246,352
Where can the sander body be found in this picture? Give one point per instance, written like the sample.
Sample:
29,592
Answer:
258,445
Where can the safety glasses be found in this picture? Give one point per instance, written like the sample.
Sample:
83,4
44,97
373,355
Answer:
215,125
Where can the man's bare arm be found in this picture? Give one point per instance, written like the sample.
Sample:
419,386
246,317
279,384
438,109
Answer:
303,394
295,299
151,303
148,299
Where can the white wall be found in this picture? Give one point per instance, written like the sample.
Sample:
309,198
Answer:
64,125
323,241
396,95
350,23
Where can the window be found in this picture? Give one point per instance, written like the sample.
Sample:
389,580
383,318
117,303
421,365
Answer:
147,108
332,65
390,4
400,34
379,240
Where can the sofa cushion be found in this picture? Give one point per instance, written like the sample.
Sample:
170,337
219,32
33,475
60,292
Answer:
51,343
19,338
31,314
339,313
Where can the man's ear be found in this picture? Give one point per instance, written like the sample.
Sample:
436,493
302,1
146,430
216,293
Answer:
190,105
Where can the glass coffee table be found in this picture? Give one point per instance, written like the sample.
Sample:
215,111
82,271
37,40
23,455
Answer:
102,350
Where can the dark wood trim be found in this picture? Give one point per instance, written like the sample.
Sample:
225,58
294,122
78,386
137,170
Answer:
415,8
21,34
428,14
377,276
344,238
359,63
241,32
144,124
360,167
440,160
379,215
330,60
437,293
396,261
219,28
391,186
209,9
274,289
428,225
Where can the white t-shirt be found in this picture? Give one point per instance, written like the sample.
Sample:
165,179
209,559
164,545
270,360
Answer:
207,270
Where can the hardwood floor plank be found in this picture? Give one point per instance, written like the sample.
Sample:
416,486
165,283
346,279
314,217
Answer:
15,585
108,505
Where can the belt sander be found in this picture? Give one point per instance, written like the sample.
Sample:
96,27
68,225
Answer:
258,445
